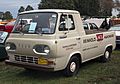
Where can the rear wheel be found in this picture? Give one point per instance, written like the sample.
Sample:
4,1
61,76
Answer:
72,67
106,55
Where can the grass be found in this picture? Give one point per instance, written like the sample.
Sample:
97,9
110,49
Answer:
91,72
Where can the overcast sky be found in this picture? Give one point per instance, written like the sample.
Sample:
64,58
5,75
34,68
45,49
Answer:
14,5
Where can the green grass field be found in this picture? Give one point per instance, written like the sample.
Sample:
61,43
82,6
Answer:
91,72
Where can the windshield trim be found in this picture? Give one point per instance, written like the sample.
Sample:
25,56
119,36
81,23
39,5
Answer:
36,13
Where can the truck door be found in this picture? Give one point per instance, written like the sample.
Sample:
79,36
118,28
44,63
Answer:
92,45
67,40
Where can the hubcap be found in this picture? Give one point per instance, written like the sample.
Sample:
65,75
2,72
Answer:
107,54
72,66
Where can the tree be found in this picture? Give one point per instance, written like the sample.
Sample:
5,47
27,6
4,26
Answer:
1,15
22,9
28,8
7,15
56,4
106,7
85,7
117,6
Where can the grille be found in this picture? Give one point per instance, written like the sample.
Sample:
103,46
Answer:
27,59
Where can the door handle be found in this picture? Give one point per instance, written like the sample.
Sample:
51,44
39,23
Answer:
62,37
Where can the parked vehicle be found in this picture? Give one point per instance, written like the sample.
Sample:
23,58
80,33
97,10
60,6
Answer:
116,28
3,37
56,40
114,21
2,27
92,27
9,26
4,32
89,26
3,22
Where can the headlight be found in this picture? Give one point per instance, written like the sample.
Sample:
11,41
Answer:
41,49
7,47
10,46
46,49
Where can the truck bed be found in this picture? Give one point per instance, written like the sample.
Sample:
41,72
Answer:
94,31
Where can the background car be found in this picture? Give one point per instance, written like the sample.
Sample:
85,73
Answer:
116,28
5,30
91,28
9,26
2,27
3,37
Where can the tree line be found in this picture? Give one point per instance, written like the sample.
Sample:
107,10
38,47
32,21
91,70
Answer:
85,7
28,8
6,15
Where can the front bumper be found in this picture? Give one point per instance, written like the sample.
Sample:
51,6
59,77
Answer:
29,66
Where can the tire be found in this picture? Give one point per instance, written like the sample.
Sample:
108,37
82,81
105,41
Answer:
72,67
107,55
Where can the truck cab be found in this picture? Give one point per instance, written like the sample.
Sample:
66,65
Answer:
55,40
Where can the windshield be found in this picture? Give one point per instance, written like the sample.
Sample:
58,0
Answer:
115,28
43,23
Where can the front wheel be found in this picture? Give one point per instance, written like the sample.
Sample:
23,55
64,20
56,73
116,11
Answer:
106,55
72,67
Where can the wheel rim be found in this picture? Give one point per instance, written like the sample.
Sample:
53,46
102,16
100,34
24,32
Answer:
73,67
107,54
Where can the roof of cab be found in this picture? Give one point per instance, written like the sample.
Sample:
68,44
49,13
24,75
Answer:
51,10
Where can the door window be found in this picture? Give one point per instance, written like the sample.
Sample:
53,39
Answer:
62,22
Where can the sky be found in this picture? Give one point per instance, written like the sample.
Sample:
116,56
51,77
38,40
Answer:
14,5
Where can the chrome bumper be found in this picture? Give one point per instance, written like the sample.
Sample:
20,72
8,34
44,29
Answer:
29,66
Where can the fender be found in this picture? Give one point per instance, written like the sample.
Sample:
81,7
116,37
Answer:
108,46
72,54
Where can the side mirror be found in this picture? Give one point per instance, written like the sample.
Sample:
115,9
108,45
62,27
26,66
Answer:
68,23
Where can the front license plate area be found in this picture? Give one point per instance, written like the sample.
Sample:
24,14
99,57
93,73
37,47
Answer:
42,61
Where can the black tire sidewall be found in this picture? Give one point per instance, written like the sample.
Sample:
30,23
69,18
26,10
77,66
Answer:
67,71
103,58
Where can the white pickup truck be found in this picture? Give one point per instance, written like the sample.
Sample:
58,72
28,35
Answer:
56,40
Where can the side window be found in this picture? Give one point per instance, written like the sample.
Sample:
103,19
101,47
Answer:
94,26
91,27
62,22
85,26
